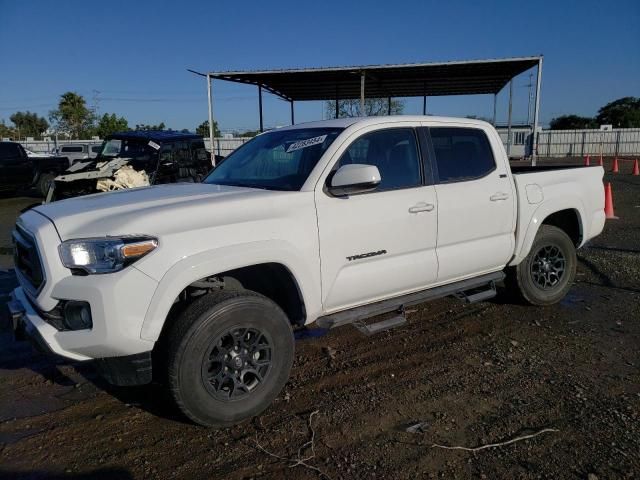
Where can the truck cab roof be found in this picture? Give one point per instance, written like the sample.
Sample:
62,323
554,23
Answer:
158,136
375,120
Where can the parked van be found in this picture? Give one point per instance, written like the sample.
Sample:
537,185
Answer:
79,151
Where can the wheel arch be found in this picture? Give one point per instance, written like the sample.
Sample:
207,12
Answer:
567,220
568,216
282,278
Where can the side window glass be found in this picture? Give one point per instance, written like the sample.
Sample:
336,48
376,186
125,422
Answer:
181,154
198,152
461,153
9,149
394,151
77,149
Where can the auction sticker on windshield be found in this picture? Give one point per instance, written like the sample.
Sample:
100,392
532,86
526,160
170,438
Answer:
309,142
153,144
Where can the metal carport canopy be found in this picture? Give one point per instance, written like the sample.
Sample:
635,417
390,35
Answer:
472,77
382,81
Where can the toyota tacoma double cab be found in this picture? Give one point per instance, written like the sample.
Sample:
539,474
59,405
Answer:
200,285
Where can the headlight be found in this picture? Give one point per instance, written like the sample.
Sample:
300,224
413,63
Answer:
105,255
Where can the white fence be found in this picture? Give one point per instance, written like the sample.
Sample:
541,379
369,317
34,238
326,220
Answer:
578,143
574,143
48,146
551,143
223,146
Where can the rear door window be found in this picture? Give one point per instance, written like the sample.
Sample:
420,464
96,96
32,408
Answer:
461,153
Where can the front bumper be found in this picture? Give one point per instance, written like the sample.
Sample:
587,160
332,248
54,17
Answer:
23,329
124,370
118,302
28,325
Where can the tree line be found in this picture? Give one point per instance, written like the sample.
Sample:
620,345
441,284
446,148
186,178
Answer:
621,113
73,119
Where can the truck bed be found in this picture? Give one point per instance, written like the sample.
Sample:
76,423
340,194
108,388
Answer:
546,189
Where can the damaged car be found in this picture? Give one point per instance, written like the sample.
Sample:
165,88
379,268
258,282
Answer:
135,159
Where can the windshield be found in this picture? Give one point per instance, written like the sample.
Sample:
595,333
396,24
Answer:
127,148
276,160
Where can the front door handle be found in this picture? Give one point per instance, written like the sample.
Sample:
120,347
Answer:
422,207
498,196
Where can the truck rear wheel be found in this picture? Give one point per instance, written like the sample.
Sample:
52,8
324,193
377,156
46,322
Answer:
545,276
229,355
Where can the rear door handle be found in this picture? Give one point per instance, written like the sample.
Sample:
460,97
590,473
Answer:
498,196
422,207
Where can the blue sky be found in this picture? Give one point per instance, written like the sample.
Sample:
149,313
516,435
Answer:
135,53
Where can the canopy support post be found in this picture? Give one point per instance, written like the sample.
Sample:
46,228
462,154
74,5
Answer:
362,113
509,118
260,107
210,101
495,102
293,122
534,136
389,106
337,103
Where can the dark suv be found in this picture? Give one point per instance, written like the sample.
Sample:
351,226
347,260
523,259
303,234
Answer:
165,157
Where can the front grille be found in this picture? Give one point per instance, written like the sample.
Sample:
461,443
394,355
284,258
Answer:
27,259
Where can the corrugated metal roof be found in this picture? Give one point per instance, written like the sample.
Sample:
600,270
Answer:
394,80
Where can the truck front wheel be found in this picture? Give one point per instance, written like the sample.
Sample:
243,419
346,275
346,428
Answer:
229,355
545,276
44,181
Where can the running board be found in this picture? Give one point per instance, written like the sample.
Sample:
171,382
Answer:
478,289
478,294
373,328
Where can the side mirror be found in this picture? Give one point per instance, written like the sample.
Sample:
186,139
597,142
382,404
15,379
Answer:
355,178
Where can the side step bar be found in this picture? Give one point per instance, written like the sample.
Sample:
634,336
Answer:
470,290
373,328
478,294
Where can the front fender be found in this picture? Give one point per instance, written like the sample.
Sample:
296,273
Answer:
211,262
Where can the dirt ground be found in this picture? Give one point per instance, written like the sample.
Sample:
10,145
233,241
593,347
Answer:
472,375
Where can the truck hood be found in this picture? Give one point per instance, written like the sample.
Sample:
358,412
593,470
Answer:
153,210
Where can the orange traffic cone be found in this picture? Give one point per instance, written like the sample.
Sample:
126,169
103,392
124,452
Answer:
615,166
587,160
608,203
600,162
636,168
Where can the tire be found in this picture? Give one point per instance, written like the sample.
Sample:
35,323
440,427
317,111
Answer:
200,345
44,181
536,280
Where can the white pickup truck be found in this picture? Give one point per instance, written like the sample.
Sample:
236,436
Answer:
334,222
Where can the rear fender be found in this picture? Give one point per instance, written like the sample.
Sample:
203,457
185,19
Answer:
548,207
